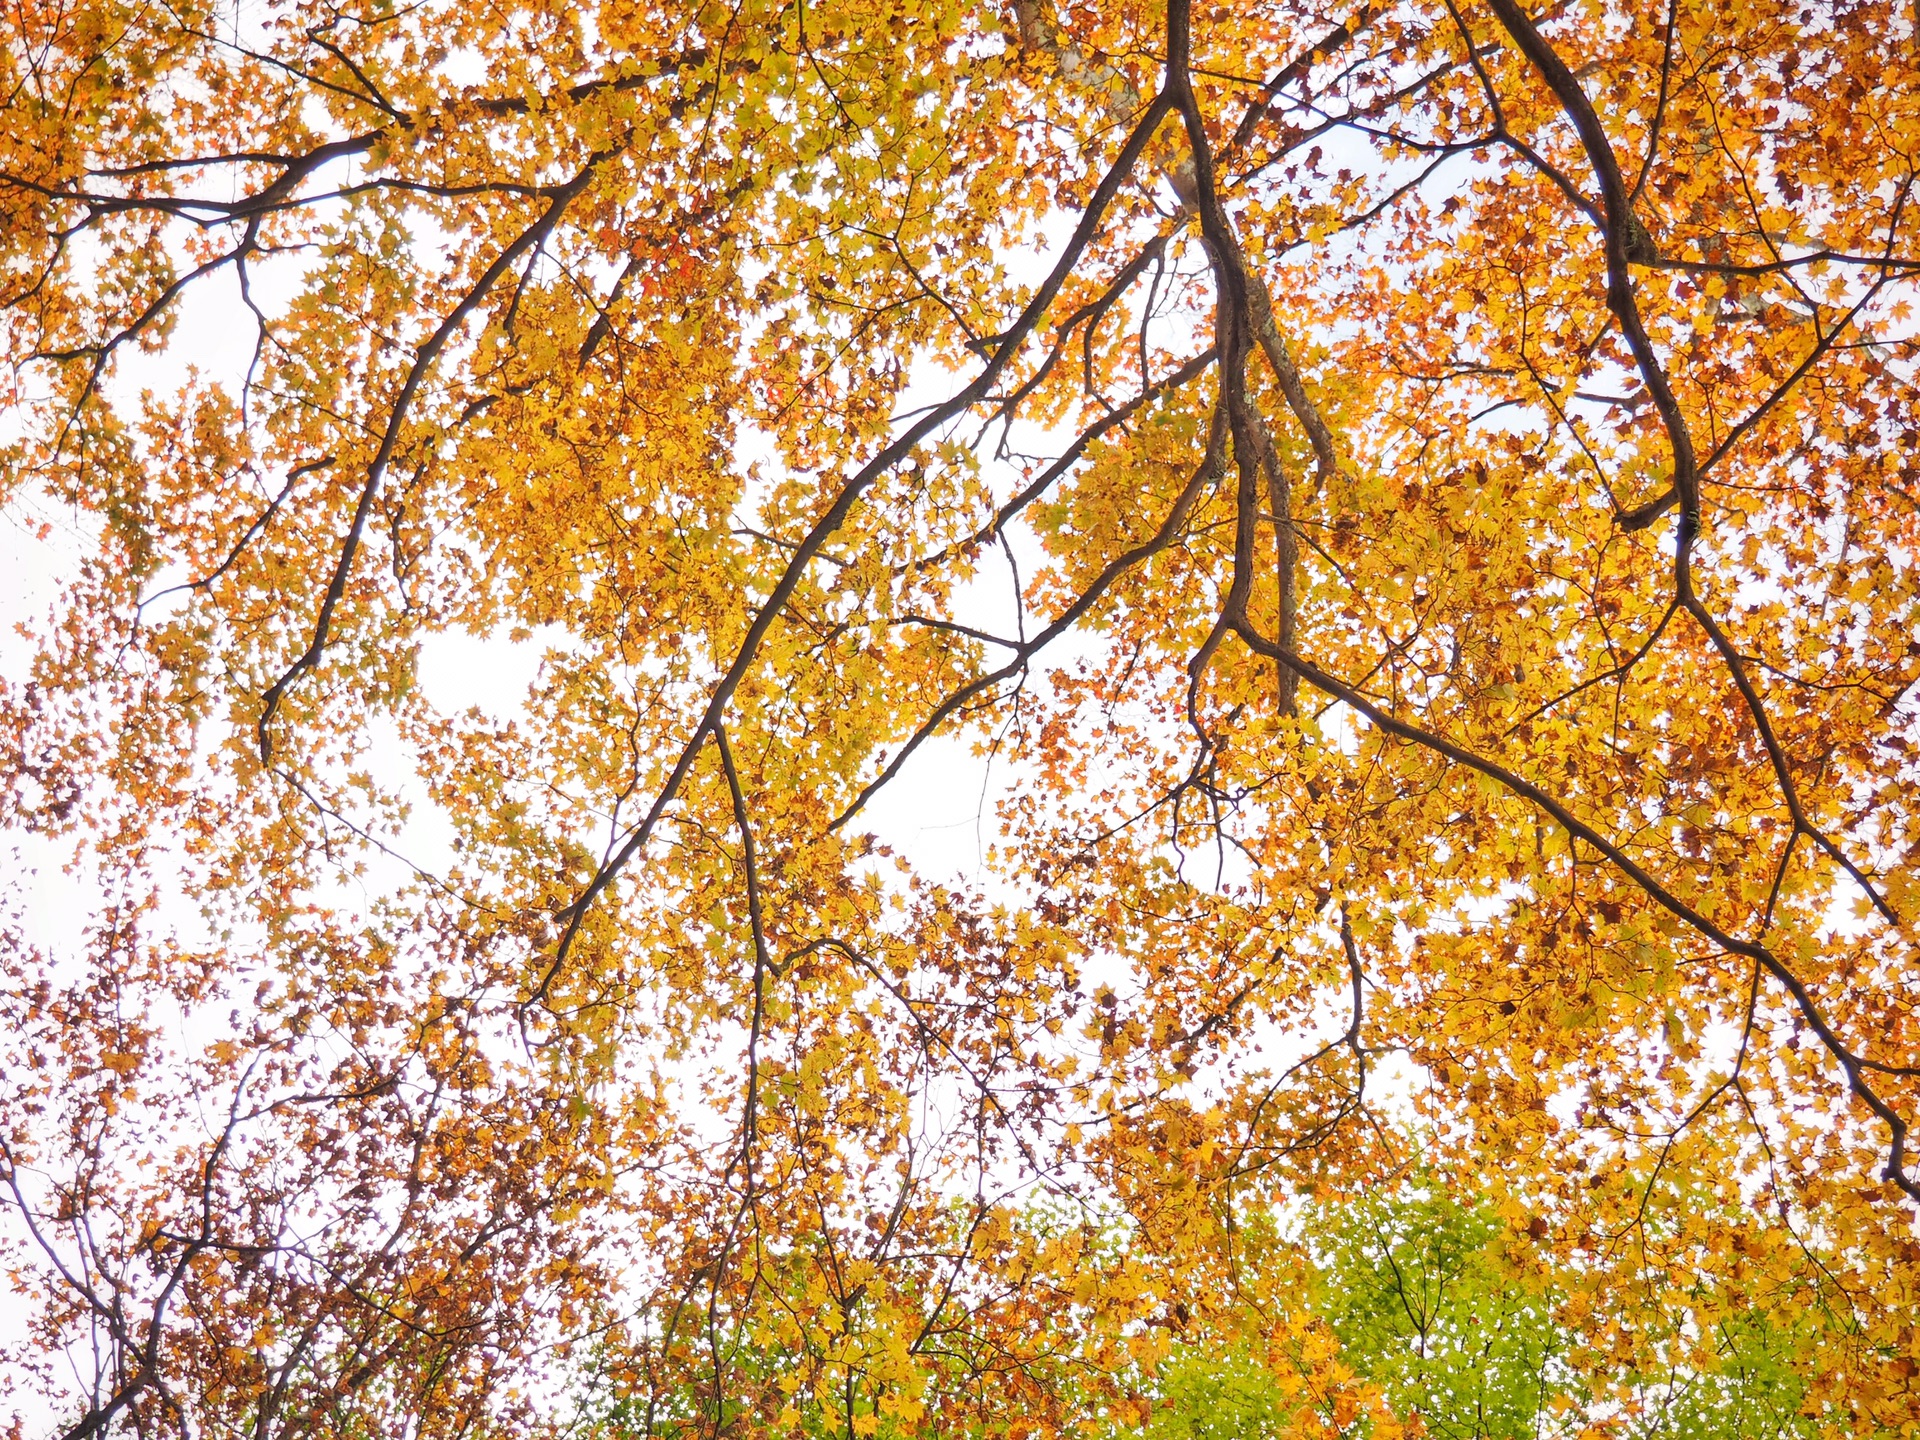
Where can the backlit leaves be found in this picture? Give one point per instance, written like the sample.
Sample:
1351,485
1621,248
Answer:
1412,509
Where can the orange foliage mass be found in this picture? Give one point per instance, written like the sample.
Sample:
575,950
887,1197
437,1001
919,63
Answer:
1420,499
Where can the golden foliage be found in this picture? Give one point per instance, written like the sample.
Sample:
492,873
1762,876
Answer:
1421,501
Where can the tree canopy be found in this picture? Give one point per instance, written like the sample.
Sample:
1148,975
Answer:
1415,506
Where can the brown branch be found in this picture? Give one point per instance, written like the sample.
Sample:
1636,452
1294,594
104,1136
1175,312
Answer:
1296,70
1626,242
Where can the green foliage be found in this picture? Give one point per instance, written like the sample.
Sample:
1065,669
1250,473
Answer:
1230,1397
1415,1286
1432,1302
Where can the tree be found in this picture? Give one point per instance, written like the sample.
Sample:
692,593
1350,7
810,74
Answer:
1417,499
